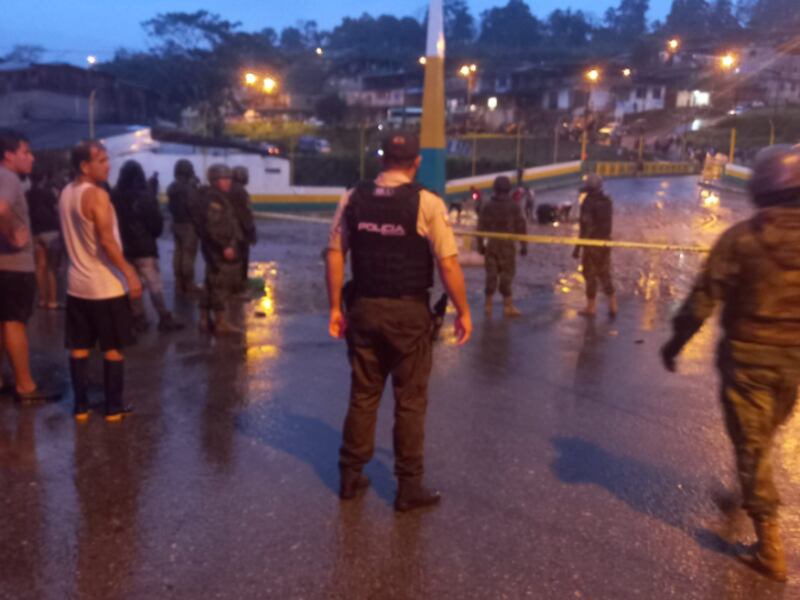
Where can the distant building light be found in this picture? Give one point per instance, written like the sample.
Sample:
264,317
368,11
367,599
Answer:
492,103
626,72
320,51
423,60
251,78
701,98
91,59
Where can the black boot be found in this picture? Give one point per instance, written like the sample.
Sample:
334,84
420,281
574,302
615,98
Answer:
114,383
79,374
352,482
411,494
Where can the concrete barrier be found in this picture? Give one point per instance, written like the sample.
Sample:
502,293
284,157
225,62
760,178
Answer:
538,178
610,169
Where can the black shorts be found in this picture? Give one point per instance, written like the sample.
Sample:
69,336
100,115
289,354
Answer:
108,322
17,291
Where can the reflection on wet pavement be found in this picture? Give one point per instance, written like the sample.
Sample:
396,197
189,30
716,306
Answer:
572,465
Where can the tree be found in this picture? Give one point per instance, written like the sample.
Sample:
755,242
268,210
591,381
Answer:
568,29
689,19
292,40
511,27
385,38
185,33
24,53
629,19
459,24
775,15
722,20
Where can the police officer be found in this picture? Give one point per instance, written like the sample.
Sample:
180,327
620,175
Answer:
183,206
243,207
596,223
395,232
754,271
220,239
501,215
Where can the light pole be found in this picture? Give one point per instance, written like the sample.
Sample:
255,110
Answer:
468,72
592,77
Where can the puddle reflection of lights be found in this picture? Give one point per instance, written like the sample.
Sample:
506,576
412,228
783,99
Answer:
264,351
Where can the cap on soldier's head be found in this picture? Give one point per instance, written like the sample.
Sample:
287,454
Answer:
776,175
400,146
241,175
502,185
184,168
591,182
218,171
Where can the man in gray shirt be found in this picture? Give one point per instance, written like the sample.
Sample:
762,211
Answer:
17,279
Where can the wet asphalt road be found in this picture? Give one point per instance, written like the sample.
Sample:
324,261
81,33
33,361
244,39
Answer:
572,465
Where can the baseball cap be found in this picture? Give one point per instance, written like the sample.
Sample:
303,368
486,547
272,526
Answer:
400,146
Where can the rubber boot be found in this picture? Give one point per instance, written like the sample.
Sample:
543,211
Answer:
352,482
202,322
79,374
489,306
769,556
509,310
224,327
613,307
412,495
591,308
114,384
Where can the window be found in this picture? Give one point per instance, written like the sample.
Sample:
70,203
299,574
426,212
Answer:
641,93
656,93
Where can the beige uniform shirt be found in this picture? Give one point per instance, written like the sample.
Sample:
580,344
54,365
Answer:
432,220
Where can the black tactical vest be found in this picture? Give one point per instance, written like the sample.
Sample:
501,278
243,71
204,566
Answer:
389,258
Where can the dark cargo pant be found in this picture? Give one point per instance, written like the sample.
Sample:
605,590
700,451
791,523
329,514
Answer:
597,268
756,400
222,282
500,260
388,337
184,256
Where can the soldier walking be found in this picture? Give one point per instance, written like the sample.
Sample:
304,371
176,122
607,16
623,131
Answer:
754,272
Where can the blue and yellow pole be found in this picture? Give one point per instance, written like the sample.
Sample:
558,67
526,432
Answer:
432,137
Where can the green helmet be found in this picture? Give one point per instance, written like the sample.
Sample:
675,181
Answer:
218,171
184,169
591,182
241,175
775,175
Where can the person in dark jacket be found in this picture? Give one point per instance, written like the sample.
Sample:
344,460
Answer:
184,208
140,225
221,239
243,207
596,223
48,247
501,215
754,272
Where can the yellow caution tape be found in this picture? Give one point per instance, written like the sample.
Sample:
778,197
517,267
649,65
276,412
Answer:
514,237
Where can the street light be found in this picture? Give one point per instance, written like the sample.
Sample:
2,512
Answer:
626,72
319,51
592,75
251,78
728,61
423,60
92,60
673,45
270,85
468,72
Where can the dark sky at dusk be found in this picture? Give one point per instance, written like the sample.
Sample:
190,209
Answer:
72,29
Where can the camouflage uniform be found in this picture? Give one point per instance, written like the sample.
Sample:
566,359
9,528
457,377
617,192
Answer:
754,271
500,215
183,206
220,230
243,208
596,219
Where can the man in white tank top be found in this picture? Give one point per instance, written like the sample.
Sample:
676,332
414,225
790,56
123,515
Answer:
100,282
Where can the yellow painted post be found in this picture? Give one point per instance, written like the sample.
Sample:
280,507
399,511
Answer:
733,145
641,148
584,145
474,155
771,132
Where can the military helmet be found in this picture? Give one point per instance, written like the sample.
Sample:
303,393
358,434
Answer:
502,184
184,168
591,182
777,170
241,175
218,171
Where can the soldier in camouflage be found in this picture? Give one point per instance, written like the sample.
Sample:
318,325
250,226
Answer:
183,206
501,215
754,272
243,207
220,240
